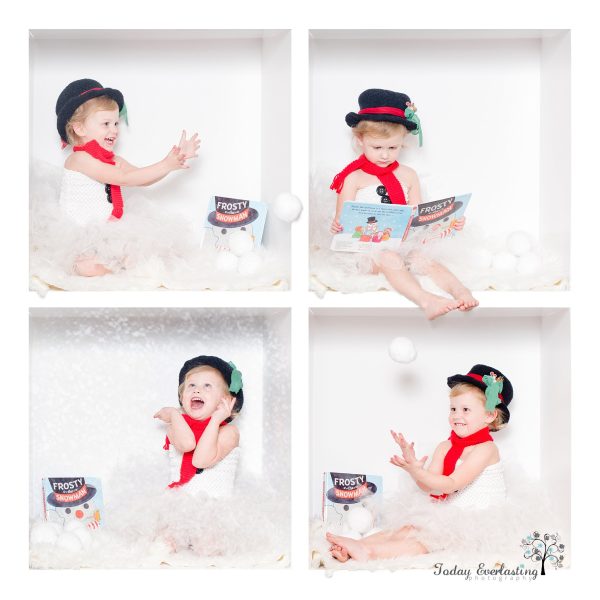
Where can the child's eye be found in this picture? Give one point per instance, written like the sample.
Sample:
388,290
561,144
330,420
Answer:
466,409
207,385
452,409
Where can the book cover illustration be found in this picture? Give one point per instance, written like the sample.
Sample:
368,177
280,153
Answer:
78,499
369,226
351,502
227,217
437,220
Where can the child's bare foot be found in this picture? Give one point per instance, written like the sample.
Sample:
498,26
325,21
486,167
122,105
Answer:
89,267
435,306
348,547
339,553
467,300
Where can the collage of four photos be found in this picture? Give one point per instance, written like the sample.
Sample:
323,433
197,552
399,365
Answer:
176,260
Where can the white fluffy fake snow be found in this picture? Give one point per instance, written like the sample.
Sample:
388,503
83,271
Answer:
148,526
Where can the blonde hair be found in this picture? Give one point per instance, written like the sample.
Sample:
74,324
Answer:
83,111
378,129
460,388
236,411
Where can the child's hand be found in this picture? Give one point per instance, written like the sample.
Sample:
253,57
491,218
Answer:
165,414
335,227
175,159
409,459
189,148
223,410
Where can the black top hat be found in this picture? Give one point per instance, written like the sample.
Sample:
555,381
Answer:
231,212
372,220
475,377
225,368
350,488
69,491
74,95
422,222
381,105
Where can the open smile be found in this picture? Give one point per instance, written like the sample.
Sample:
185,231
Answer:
110,140
196,403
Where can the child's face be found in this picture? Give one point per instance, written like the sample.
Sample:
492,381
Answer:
102,126
468,414
202,393
381,151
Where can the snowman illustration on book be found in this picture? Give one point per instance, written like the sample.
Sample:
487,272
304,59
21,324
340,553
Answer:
231,224
71,501
348,499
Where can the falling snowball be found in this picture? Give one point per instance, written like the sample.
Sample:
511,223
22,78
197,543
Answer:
287,207
360,519
529,263
44,533
226,261
519,243
504,261
241,242
69,541
249,263
402,350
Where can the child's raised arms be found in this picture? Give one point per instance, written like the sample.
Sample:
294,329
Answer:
480,457
216,441
122,173
178,432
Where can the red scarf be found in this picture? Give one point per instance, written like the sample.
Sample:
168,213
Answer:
456,450
188,470
384,174
94,149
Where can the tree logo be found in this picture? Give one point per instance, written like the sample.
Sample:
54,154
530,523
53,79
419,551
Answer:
544,549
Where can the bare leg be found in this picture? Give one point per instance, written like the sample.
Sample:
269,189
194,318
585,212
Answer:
443,278
89,267
384,544
404,282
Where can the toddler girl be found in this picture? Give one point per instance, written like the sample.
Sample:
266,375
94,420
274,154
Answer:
200,435
465,470
88,119
379,128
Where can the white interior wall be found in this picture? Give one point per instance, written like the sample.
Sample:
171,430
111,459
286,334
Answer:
276,120
555,141
99,375
479,97
358,393
555,410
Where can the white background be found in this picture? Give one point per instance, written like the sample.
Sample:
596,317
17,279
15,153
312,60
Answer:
296,582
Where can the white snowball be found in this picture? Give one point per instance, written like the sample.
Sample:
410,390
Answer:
519,243
287,207
84,535
241,242
249,263
44,533
481,259
350,533
529,263
69,541
73,525
226,261
504,261
402,350
360,519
